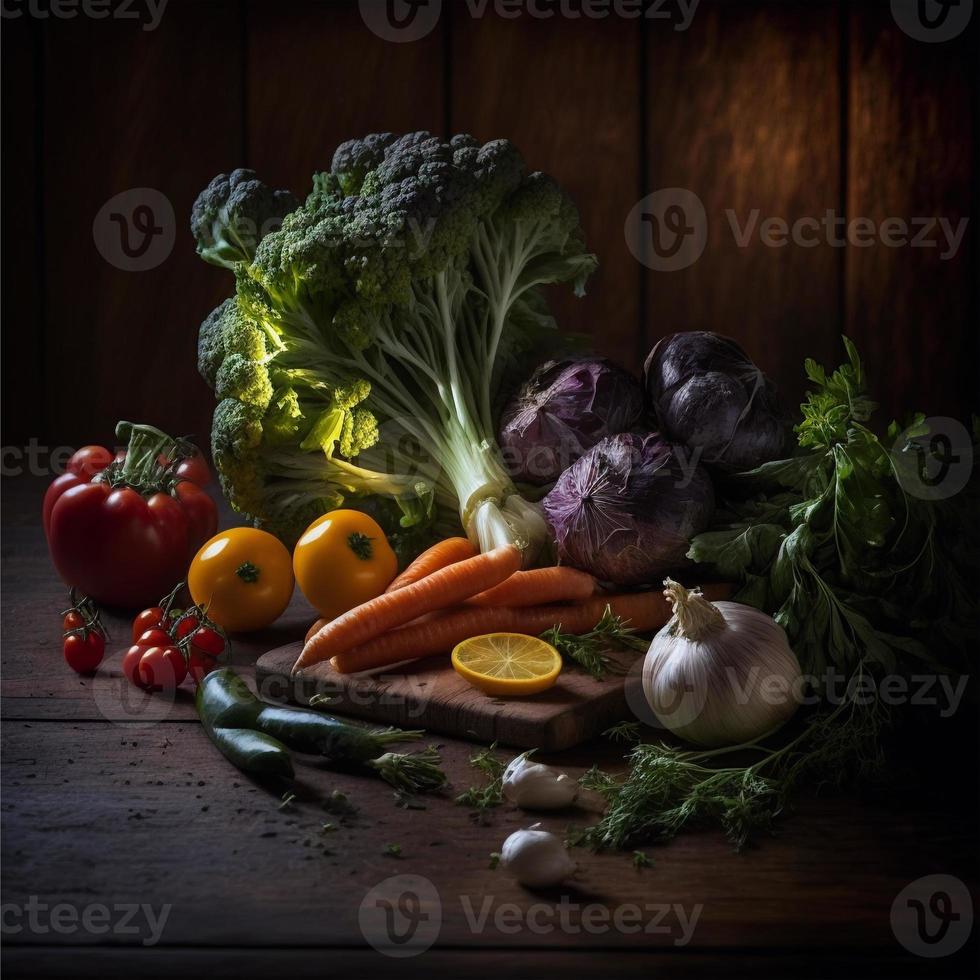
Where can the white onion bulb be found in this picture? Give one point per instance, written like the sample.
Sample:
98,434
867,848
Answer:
720,673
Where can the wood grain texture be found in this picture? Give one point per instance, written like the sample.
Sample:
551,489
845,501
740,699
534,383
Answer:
429,694
566,92
184,828
912,157
36,683
334,80
126,108
237,962
122,810
744,111
22,173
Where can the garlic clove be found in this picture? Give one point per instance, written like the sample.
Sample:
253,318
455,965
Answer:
536,858
534,786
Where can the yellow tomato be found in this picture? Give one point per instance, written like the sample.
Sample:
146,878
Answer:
244,577
342,560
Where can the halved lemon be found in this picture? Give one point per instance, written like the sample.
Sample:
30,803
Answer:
509,664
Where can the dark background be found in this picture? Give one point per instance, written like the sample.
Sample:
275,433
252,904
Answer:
791,108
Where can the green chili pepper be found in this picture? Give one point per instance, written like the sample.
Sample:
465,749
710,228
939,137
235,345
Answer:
224,701
253,752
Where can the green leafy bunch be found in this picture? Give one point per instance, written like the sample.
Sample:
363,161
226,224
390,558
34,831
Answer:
363,352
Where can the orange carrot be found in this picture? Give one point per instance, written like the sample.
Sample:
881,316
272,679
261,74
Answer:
315,628
643,611
447,587
440,555
538,587
445,552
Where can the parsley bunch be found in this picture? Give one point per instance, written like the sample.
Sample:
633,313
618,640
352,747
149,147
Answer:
866,578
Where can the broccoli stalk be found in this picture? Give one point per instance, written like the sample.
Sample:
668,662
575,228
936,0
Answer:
383,314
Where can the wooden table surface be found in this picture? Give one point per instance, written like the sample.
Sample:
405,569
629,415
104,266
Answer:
117,809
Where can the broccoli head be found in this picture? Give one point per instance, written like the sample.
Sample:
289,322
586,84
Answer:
232,215
364,351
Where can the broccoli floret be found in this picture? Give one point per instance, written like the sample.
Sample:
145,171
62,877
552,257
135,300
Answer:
227,330
246,380
232,215
283,488
391,305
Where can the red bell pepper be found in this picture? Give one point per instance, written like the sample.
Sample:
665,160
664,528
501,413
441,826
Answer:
123,529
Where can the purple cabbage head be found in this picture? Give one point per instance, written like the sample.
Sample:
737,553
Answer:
706,393
626,511
562,411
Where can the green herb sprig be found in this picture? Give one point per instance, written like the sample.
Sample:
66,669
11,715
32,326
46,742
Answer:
482,799
590,651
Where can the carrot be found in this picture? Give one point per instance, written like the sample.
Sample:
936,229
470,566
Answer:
644,611
315,628
538,587
446,552
447,587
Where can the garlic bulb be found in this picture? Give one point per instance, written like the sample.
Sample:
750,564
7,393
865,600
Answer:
720,673
536,858
535,786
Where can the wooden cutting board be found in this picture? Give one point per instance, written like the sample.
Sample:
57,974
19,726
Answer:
429,694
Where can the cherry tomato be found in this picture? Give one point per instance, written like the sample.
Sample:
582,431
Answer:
243,577
88,461
185,626
155,668
84,635
199,664
200,644
84,651
156,637
146,620
207,640
195,469
73,620
342,560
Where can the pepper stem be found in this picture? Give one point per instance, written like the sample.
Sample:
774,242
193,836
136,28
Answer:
694,616
150,453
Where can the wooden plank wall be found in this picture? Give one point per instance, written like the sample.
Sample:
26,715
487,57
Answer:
770,106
